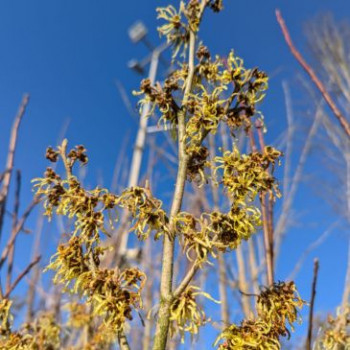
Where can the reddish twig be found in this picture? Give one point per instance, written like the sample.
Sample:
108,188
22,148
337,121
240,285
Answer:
21,276
267,240
312,304
268,236
267,201
320,86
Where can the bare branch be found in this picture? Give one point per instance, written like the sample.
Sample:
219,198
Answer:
10,158
320,86
17,230
186,280
14,225
21,276
312,304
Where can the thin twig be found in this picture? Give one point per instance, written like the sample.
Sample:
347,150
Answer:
266,227
253,268
33,282
149,296
267,243
290,133
10,158
221,271
186,280
21,276
17,230
267,213
320,86
13,231
242,281
312,304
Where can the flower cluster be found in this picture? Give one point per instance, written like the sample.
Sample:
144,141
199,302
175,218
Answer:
160,97
70,263
250,334
103,338
111,294
174,29
230,229
179,23
194,238
5,316
196,99
215,231
43,333
276,306
197,163
223,91
79,315
206,110
335,333
245,176
67,197
280,304
249,87
186,314
146,210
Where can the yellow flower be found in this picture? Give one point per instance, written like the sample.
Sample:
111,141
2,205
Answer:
186,314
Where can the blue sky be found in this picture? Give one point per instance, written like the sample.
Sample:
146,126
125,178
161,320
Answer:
67,55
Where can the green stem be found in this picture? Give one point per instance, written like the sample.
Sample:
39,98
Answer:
166,281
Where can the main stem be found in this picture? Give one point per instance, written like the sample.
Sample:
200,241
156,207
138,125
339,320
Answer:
166,281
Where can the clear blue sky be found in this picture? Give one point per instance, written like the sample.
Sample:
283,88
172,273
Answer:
67,55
